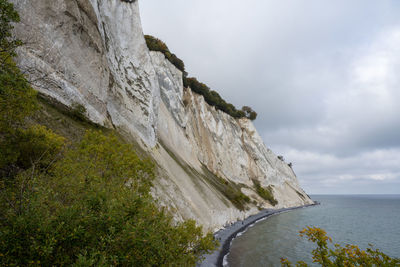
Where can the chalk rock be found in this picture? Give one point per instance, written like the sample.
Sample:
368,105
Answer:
92,53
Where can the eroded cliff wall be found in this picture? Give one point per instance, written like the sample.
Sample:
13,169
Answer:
93,53
204,142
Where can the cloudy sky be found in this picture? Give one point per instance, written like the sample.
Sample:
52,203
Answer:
324,77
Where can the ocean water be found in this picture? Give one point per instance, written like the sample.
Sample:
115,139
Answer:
347,219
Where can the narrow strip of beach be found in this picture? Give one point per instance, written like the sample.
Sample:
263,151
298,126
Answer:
226,235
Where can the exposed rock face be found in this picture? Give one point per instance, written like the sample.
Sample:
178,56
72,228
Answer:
93,52
199,135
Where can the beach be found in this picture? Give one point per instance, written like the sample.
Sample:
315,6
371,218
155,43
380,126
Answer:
226,235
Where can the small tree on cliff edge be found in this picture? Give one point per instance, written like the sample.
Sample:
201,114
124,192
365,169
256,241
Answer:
249,113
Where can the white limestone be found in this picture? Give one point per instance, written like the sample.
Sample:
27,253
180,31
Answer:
92,53
198,135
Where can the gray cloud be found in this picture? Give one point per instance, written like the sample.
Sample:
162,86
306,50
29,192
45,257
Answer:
322,75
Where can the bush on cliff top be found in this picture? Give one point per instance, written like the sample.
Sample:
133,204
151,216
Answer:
155,44
210,96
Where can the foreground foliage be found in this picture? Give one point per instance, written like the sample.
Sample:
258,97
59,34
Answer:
82,204
93,207
350,255
17,98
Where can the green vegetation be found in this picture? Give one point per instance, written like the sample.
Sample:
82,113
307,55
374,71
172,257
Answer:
265,193
77,200
350,255
155,44
230,190
210,96
17,98
63,120
7,41
78,111
93,207
213,98
249,113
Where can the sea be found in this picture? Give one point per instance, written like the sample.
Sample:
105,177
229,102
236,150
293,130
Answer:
347,219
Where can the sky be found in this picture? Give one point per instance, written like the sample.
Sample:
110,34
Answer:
323,76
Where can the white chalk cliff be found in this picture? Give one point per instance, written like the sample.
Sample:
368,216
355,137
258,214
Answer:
93,53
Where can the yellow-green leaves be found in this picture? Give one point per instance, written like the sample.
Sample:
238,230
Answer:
347,256
93,207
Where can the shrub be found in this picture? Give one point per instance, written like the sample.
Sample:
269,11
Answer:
17,98
229,189
93,208
36,145
8,42
249,113
78,111
350,255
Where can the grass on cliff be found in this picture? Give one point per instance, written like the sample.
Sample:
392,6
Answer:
228,189
67,122
265,193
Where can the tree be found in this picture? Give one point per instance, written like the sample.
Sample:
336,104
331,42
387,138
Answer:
350,255
249,113
253,115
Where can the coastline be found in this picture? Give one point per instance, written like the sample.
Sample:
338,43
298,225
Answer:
226,235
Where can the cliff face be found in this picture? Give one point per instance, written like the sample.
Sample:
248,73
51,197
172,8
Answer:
203,139
93,53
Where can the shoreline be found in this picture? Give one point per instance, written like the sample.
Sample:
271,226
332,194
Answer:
226,235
